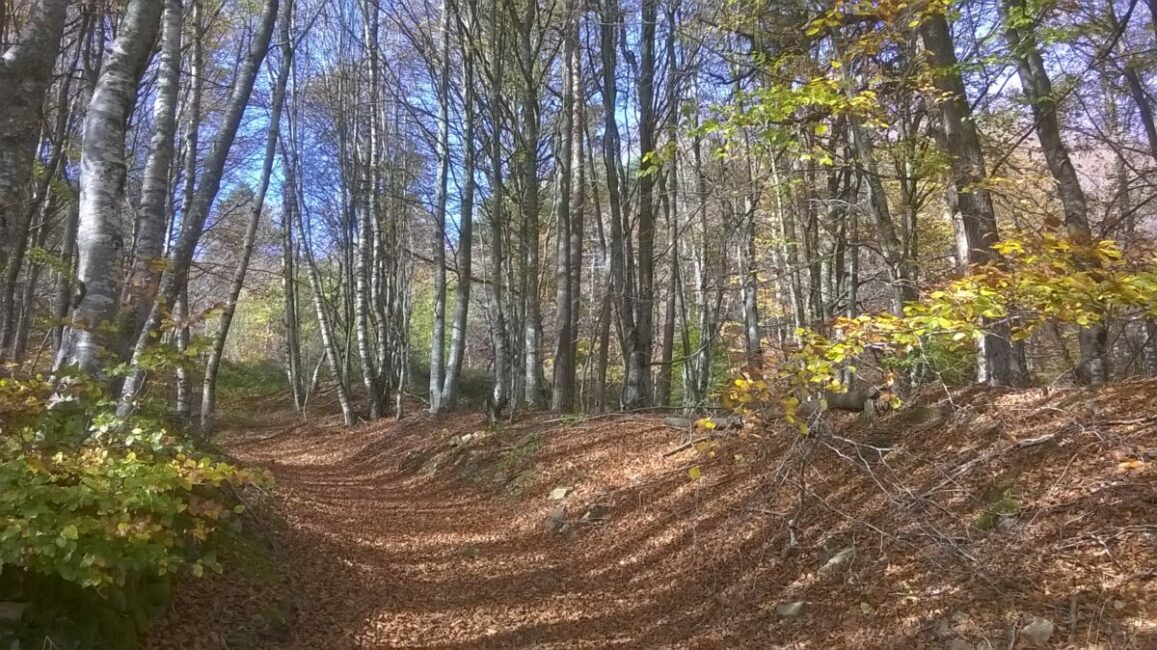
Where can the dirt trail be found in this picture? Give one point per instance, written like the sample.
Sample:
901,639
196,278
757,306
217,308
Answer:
397,537
384,553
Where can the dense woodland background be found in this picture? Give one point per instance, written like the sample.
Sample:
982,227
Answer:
779,208
588,206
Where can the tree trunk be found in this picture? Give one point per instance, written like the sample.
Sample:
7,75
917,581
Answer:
529,207
466,218
25,74
1000,361
499,334
900,271
644,303
102,175
1038,90
635,391
145,273
213,364
438,330
324,322
197,211
570,160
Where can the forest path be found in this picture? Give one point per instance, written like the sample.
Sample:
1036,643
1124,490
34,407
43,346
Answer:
382,553
444,533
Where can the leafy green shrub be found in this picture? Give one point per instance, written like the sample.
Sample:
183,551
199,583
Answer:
250,380
99,511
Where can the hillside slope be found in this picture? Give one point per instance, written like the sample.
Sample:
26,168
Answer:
984,520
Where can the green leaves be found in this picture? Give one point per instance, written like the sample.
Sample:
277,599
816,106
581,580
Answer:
96,500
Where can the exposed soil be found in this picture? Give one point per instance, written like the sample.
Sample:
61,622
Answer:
958,522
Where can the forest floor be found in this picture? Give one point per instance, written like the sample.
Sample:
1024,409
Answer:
982,520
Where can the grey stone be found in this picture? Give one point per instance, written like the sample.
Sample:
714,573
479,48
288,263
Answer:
413,461
792,610
1038,631
556,518
559,493
924,416
839,559
569,531
943,629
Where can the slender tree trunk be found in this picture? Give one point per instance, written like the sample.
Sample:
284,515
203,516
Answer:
62,302
324,322
667,343
1000,361
361,205
197,211
750,288
213,364
291,318
466,218
648,124
563,396
183,404
636,389
1038,89
499,333
102,175
529,207
438,330
900,269
145,273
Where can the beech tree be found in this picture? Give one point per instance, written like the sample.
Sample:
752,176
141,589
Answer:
661,196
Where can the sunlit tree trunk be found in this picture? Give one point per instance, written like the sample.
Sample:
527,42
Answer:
102,176
450,387
1000,362
529,204
213,363
570,162
212,171
635,391
499,334
438,329
1038,90
145,273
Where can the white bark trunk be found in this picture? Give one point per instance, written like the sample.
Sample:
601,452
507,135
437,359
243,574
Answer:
102,174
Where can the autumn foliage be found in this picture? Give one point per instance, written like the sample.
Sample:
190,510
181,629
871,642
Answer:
1039,280
94,505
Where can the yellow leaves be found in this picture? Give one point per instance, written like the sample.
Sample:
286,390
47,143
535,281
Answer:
1008,247
1132,466
1109,251
1043,279
705,424
695,473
